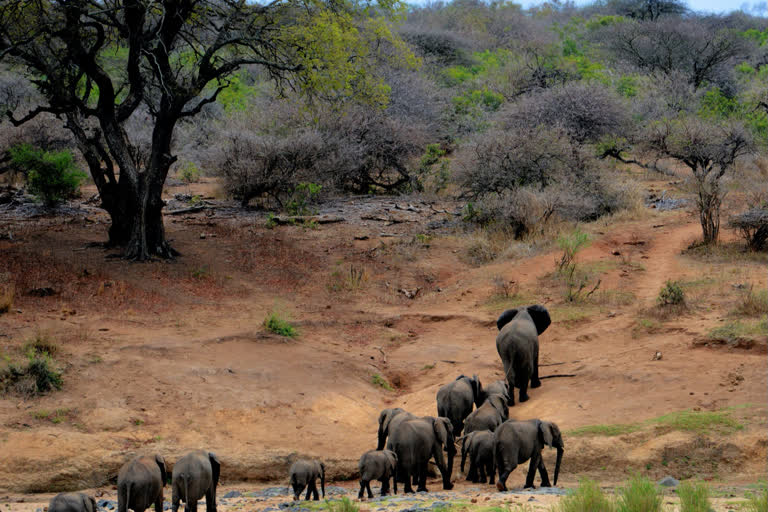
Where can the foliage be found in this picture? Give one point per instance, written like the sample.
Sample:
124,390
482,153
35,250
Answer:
571,244
189,173
671,294
757,501
278,324
694,497
304,194
378,380
738,331
52,176
36,377
587,497
753,303
343,505
639,494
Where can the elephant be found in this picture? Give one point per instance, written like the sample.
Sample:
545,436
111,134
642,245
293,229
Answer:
304,473
140,484
519,441
498,387
456,399
518,347
72,502
479,445
195,475
378,465
488,416
389,419
417,440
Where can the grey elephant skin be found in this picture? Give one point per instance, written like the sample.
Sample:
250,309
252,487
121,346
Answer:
488,416
518,346
389,419
378,465
417,440
479,446
195,475
140,484
456,399
519,441
498,387
305,473
72,502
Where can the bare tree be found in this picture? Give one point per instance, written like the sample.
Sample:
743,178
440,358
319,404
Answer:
179,56
709,150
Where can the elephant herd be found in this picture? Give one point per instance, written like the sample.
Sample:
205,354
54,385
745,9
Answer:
406,443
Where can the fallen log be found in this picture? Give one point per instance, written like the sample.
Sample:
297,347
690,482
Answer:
301,219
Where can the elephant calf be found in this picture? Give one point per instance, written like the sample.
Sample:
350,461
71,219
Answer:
519,441
488,416
140,484
479,445
378,465
456,399
304,473
72,502
499,387
195,475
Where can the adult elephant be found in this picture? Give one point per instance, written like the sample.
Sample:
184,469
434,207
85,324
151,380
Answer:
417,440
195,475
389,419
140,484
456,399
488,416
518,347
519,441
498,387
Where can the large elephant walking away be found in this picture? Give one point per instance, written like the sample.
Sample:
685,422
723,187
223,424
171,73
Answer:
518,346
417,440
305,473
140,484
195,475
389,419
456,399
519,441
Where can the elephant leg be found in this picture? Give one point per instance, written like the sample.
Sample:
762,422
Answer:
407,481
491,471
316,495
535,382
210,500
159,503
422,477
532,471
543,473
472,473
524,391
122,506
384,486
362,489
175,502
368,487
501,485
509,371
481,473
297,492
309,491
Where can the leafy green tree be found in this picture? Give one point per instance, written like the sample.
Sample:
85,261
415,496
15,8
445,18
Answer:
100,63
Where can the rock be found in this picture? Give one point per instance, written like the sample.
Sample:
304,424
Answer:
232,494
616,252
668,481
657,356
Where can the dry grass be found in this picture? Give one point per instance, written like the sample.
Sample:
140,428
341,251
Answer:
752,303
7,294
727,252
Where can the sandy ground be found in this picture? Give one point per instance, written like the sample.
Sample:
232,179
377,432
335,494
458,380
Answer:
168,357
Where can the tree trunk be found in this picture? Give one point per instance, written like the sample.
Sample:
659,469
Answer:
709,202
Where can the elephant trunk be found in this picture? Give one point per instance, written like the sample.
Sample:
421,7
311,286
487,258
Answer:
557,464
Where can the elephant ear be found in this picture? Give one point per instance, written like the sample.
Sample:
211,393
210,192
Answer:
550,434
161,462
392,458
385,417
215,467
499,402
505,318
441,427
89,503
540,317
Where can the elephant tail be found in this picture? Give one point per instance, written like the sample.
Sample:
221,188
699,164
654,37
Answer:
128,501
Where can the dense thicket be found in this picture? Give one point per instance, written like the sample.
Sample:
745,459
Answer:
523,112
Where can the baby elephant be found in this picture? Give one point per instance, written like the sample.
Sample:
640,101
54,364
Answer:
377,465
140,484
303,474
72,502
195,475
479,445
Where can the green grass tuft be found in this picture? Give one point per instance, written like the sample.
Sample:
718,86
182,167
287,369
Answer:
701,422
281,326
605,430
342,505
757,502
694,497
733,332
378,380
588,497
639,495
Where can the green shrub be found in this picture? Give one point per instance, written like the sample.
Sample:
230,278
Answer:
378,380
671,294
38,377
277,324
189,173
52,176
570,245
639,495
303,195
694,497
588,497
